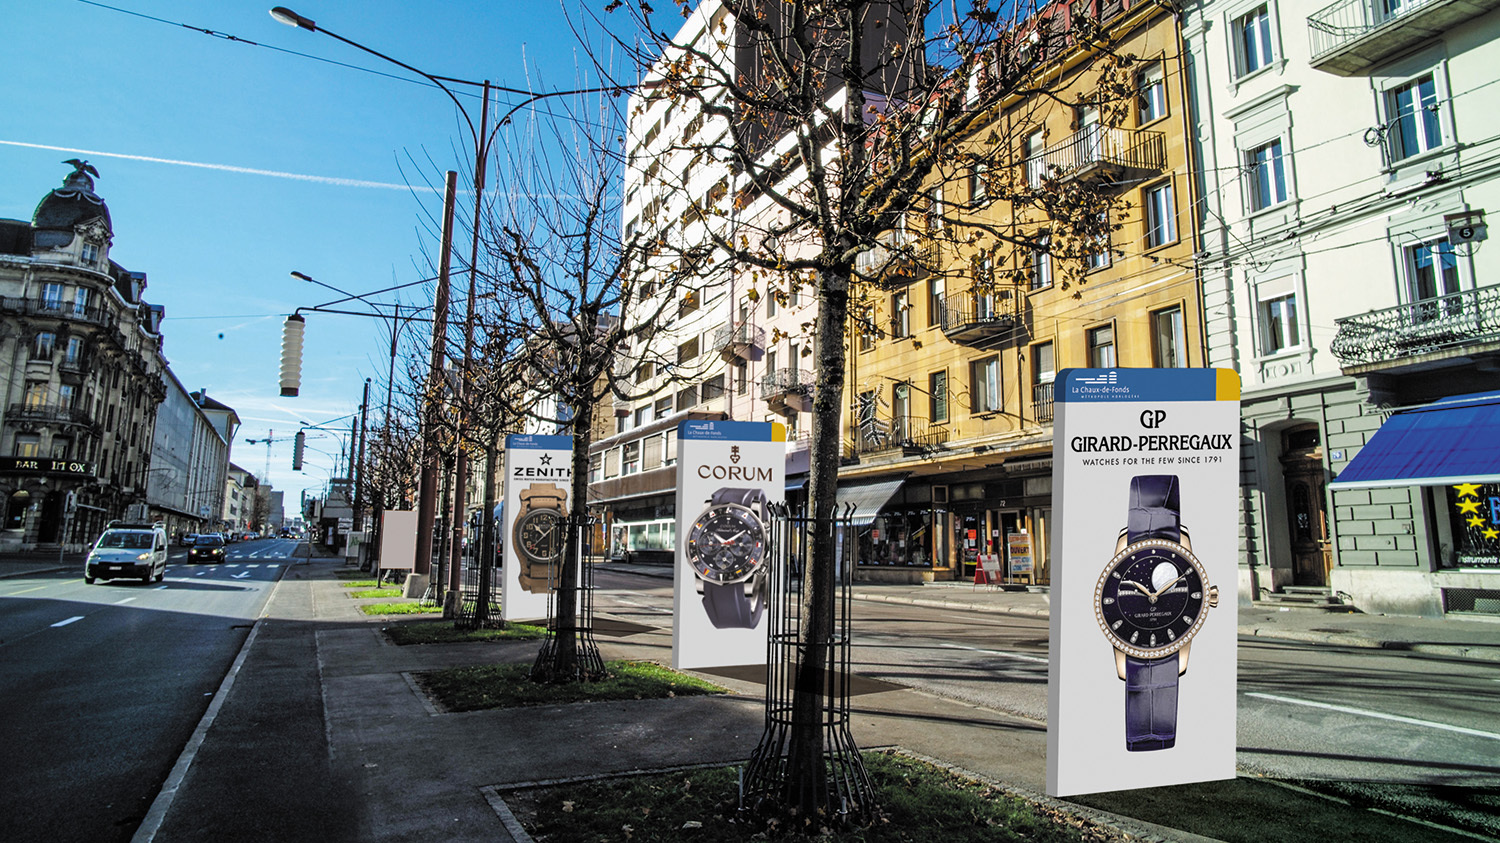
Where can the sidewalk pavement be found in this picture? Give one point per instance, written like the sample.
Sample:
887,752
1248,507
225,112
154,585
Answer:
319,729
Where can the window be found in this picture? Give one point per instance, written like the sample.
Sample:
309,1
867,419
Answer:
81,300
36,395
642,415
52,296
651,452
90,253
984,385
687,398
1252,32
611,463
1153,94
901,409
669,449
689,303
1412,121
1267,175
66,395
937,298
73,354
687,351
1279,330
630,458
28,445
1036,162
979,186
713,388
1041,264
794,297
42,345
770,302
645,371
1432,272
1102,347
741,377
1099,257
1043,363
935,209
1161,215
900,316
937,396
596,468
1169,339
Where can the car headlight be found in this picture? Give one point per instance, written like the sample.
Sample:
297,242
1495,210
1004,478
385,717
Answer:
143,557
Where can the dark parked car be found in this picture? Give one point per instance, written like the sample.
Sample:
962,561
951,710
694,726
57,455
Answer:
208,547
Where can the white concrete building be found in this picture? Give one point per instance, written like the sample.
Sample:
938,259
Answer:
1347,154
189,464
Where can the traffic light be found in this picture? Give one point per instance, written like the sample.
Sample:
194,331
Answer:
298,445
291,354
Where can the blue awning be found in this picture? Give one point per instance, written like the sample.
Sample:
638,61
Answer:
1455,440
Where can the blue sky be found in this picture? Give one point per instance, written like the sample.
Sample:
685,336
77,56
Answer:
268,162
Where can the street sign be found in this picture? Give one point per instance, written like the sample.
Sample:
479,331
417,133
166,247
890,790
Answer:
346,525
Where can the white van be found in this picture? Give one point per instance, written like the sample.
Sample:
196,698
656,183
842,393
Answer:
128,550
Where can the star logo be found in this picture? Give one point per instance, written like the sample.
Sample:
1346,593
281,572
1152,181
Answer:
1492,533
546,459
1467,490
1471,507
1476,522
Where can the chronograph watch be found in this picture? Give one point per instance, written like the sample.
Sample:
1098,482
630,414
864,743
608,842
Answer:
726,547
1150,601
538,533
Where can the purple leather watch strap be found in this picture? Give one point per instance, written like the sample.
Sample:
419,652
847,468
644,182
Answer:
1150,703
1155,508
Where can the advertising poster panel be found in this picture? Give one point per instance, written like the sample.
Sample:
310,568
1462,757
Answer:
728,475
398,540
1144,579
538,477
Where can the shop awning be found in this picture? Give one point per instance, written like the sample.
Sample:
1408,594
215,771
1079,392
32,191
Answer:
1455,440
867,498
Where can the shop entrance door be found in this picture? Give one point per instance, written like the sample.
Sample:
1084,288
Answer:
1302,473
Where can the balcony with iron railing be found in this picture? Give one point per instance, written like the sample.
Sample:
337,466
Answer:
54,308
1041,401
785,387
1350,37
982,317
48,414
899,258
737,340
1421,331
914,435
1100,154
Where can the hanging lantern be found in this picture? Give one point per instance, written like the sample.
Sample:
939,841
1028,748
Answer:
291,354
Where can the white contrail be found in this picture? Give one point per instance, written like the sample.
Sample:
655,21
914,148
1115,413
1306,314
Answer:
226,168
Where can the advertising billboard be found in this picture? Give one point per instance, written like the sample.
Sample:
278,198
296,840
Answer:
538,478
1146,474
728,475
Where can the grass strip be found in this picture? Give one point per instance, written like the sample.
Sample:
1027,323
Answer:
507,686
376,592
360,584
399,609
918,802
444,632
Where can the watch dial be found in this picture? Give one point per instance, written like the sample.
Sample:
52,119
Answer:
540,536
1150,599
726,544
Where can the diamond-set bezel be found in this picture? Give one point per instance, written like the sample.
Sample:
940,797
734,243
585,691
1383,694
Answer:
1182,640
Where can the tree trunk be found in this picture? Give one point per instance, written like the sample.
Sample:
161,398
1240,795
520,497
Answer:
807,779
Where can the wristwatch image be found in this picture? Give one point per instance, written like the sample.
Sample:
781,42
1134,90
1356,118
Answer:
726,546
1150,601
538,533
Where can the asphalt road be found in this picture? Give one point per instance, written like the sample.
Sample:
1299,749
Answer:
1418,735
103,685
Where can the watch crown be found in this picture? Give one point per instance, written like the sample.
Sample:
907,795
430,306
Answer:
1213,596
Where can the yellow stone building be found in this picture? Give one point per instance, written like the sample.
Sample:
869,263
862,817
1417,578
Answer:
949,427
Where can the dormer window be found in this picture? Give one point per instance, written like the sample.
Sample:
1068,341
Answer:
90,253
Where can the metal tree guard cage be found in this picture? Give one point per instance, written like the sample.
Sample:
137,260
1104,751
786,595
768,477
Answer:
589,664
847,794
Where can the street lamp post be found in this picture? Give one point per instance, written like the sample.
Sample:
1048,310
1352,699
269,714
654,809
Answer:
482,137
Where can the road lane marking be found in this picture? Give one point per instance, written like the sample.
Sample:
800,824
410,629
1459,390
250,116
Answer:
24,590
1344,709
240,576
1033,659
162,587
69,620
126,600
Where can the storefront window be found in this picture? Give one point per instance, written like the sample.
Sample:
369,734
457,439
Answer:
1474,513
898,537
